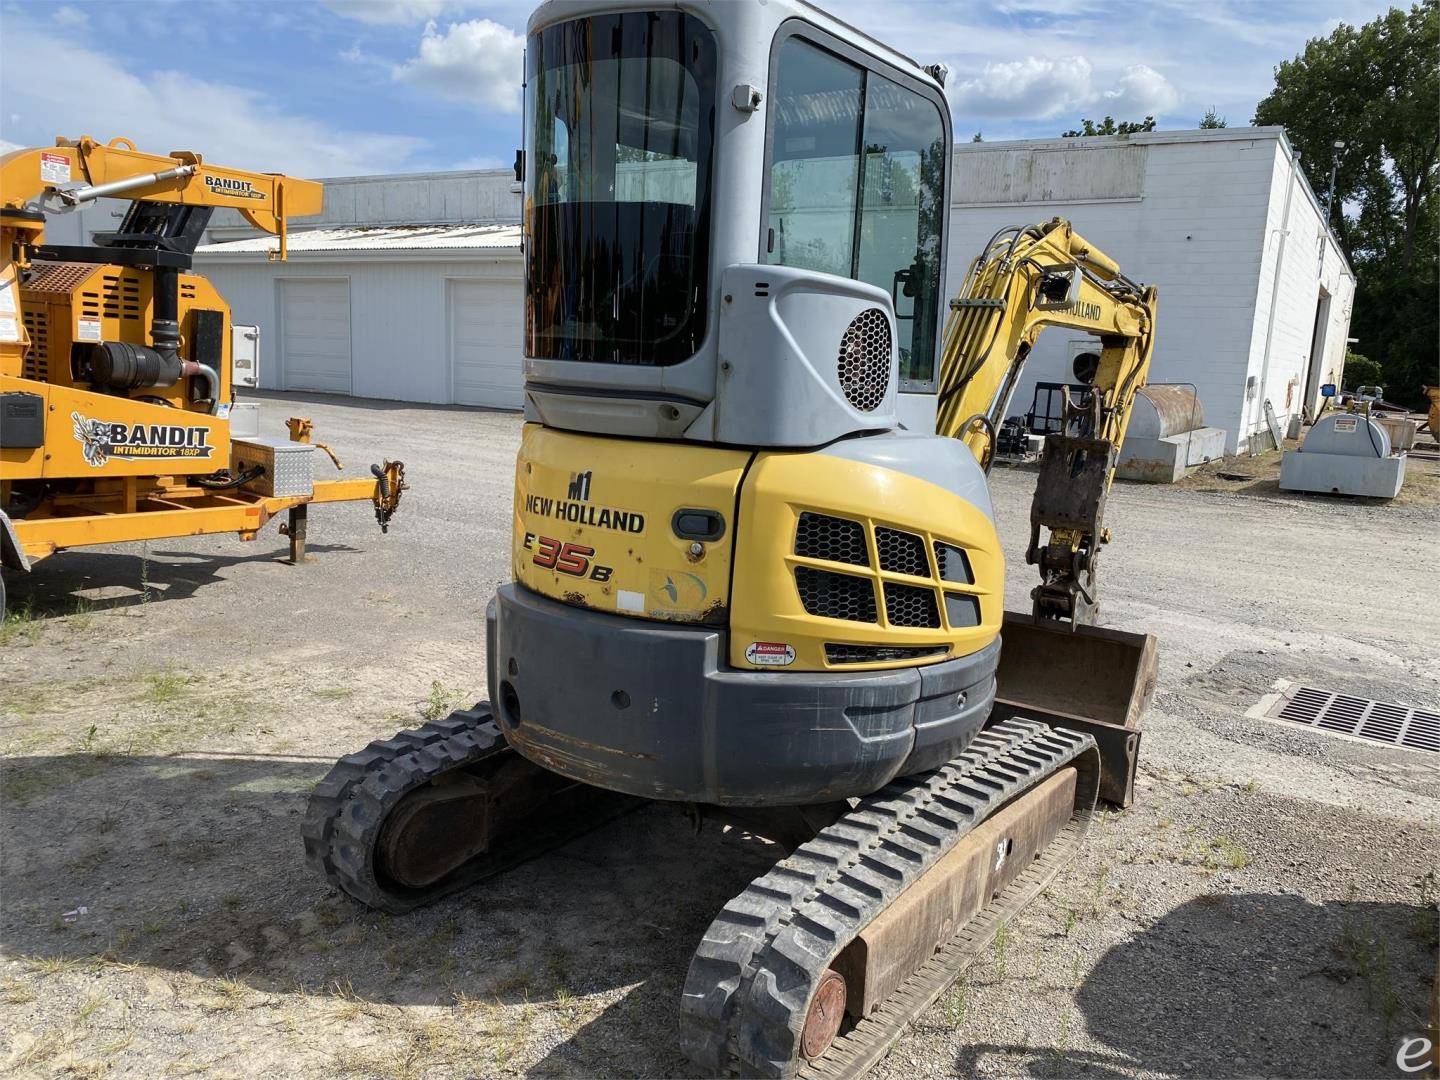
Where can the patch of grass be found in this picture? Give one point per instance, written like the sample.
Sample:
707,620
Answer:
21,626
46,1045
86,1009
16,992
332,693
167,687
57,965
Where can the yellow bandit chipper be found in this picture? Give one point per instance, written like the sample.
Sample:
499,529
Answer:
755,564
117,411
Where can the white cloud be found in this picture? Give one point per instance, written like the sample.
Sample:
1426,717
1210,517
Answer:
69,16
390,12
477,62
1032,87
170,110
6,146
1142,91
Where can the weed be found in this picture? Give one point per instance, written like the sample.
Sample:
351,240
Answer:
1002,943
56,965
44,1047
956,1003
15,992
145,572
1070,920
88,1008
166,687
441,701
20,626
1371,960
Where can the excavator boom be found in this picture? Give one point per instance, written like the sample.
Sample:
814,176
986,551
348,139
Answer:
1025,280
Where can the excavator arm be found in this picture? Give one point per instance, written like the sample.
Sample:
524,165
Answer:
1027,279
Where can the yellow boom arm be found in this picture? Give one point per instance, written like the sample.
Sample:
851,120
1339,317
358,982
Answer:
74,172
1024,280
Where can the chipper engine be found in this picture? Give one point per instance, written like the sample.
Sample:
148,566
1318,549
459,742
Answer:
118,418
755,564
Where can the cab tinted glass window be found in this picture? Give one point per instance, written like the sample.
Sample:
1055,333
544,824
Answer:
857,185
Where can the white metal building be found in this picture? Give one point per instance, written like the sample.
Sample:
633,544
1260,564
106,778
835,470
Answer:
409,287
406,288
1255,294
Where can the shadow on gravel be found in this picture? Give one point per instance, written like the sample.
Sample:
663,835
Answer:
1252,984
194,863
58,586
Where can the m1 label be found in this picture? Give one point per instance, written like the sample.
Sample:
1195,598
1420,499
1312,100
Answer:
770,654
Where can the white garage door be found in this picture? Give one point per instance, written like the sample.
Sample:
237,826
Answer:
485,348
315,335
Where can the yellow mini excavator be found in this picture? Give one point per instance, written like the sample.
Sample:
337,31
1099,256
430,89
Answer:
755,565
117,412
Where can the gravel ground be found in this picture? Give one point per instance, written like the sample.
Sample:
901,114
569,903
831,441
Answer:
1266,908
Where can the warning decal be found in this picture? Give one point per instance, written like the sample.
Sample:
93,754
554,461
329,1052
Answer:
770,654
54,169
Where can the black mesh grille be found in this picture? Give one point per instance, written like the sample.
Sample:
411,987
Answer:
901,552
836,596
910,605
954,564
875,654
819,536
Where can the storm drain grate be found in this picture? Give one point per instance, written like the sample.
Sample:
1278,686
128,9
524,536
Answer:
1361,718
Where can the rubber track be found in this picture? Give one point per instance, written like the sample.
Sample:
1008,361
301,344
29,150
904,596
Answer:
752,977
348,808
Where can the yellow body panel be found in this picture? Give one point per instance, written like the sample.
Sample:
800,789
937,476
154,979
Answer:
593,528
94,436
765,604
593,524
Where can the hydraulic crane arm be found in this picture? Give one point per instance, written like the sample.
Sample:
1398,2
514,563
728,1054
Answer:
74,172
1024,280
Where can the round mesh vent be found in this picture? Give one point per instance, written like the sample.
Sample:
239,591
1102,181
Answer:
864,361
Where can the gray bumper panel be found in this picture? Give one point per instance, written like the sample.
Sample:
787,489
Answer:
652,710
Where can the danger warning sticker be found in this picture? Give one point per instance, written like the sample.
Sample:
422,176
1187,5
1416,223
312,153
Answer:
87,330
54,169
1346,423
769,654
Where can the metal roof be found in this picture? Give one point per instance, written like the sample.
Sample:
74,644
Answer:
396,238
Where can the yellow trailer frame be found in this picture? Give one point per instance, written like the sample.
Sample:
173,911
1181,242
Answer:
77,521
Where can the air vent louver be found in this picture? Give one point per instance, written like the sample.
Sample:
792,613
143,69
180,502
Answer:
864,361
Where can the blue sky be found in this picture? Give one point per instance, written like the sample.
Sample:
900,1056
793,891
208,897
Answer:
346,87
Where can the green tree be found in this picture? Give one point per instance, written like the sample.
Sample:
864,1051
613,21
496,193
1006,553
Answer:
1361,371
1108,126
1376,88
1211,120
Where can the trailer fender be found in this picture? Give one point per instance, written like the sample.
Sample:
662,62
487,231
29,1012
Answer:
12,554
